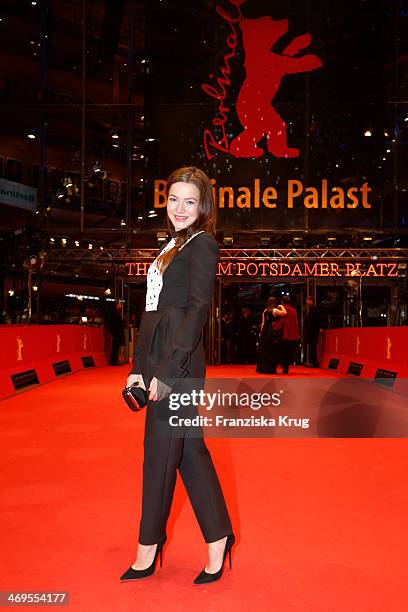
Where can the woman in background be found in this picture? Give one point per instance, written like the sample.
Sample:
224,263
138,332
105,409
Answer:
270,337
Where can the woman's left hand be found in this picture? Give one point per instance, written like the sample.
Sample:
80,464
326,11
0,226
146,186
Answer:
158,390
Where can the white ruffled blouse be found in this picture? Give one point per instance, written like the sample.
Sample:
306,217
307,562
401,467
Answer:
155,279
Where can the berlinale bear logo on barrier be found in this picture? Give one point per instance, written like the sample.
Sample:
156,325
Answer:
264,70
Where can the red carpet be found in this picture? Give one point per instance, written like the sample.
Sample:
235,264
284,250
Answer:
321,524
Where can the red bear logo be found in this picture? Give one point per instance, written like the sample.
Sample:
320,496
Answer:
265,70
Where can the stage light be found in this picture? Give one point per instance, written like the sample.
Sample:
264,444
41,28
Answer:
84,319
35,287
115,135
115,146
228,240
96,167
64,241
11,292
31,134
265,241
68,182
368,238
107,291
368,133
101,248
76,243
150,139
60,194
388,150
123,223
90,246
161,237
52,240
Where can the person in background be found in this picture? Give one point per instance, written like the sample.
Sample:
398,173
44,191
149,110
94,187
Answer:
290,335
226,338
269,346
116,328
245,337
311,333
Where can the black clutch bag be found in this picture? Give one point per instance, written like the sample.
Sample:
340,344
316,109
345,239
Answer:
135,397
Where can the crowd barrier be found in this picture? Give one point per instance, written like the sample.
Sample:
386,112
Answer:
378,353
37,354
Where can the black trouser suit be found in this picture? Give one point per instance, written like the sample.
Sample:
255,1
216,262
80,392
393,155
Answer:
170,347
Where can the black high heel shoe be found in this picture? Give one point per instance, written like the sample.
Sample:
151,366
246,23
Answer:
204,577
132,574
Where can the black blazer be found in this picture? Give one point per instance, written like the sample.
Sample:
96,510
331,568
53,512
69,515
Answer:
188,283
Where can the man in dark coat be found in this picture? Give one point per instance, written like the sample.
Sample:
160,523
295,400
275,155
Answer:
311,333
116,327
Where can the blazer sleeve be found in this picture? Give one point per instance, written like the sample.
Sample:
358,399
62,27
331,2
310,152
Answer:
203,263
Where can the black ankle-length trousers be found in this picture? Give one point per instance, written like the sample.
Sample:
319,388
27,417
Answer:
170,448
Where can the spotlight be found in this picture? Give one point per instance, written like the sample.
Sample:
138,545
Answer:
35,287
11,292
90,246
115,135
368,133
32,134
107,291
123,223
68,182
368,238
161,237
77,243
60,194
52,240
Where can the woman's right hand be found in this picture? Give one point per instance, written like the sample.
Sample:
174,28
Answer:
133,378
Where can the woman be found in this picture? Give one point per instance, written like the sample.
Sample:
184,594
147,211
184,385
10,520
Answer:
169,356
270,337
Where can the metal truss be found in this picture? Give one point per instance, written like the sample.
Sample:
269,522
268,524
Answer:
121,255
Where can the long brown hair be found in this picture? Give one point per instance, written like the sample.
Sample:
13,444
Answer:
207,212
